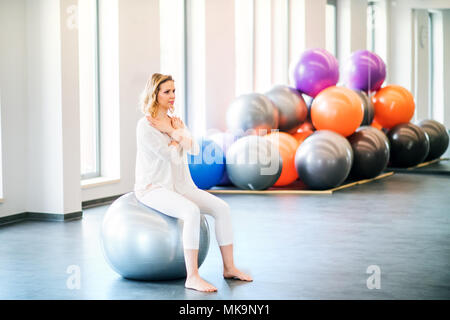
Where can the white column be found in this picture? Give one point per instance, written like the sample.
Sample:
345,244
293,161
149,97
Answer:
53,109
219,61
263,46
307,26
280,41
70,107
315,31
13,99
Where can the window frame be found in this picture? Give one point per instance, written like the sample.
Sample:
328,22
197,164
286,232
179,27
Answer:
97,172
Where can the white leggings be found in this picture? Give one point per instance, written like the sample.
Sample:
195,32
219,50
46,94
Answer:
187,207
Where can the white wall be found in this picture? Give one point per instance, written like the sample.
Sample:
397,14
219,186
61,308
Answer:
13,91
219,61
351,31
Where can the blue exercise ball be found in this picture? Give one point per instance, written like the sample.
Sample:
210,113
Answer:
141,243
208,165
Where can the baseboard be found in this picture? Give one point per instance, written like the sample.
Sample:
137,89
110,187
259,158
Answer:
40,216
99,202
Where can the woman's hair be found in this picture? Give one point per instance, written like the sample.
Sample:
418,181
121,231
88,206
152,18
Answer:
148,101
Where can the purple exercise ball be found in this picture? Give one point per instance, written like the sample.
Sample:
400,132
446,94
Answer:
364,71
315,70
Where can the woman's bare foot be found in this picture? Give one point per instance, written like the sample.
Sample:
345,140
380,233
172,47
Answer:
197,283
236,274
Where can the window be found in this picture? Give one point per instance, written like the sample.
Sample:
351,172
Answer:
371,26
436,66
195,72
331,27
377,36
89,88
262,44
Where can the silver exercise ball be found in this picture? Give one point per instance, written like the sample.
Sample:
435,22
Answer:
254,112
254,163
291,106
141,243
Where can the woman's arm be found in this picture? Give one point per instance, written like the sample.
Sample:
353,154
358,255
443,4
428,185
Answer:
152,143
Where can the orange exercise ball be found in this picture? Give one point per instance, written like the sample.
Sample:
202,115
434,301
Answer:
393,105
287,146
376,125
300,136
338,109
307,125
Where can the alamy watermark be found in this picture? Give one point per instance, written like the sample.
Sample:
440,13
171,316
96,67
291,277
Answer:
374,280
73,282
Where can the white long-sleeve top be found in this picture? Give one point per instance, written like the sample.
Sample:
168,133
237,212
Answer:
160,165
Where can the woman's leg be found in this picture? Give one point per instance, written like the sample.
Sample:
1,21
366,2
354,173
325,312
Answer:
220,210
175,205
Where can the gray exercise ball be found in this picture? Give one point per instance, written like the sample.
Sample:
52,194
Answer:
253,112
141,243
291,107
368,108
254,163
324,160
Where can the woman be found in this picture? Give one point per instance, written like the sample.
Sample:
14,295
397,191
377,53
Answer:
163,180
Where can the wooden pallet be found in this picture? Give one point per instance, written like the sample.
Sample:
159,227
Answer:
429,167
295,188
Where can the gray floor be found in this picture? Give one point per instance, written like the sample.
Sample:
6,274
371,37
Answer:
295,246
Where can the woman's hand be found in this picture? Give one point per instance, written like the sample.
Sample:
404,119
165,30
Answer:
177,123
173,143
161,125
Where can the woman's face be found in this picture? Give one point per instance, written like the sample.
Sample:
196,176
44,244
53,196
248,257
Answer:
166,94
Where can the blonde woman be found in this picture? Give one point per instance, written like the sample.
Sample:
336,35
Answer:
163,180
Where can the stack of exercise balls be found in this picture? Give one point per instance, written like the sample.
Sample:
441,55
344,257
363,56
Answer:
319,132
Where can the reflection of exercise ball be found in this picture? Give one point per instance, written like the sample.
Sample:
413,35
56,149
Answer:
253,162
290,104
438,136
324,160
141,243
208,165
254,112
409,145
370,152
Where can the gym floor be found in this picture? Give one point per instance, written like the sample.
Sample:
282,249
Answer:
295,247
